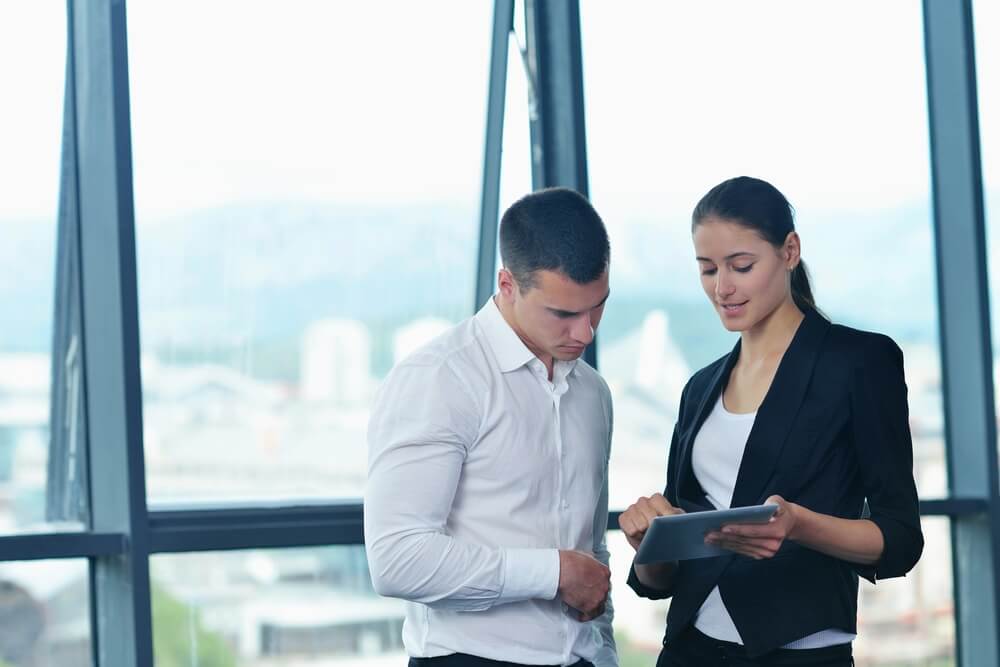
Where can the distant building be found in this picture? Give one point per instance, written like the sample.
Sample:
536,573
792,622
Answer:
415,334
659,364
287,607
336,362
24,427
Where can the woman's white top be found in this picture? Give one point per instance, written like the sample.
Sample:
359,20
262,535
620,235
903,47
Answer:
716,457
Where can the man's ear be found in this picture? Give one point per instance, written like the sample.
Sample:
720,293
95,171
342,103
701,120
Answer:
506,284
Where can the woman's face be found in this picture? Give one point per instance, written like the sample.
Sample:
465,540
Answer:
744,276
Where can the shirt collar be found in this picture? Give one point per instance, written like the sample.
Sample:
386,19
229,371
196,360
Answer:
509,349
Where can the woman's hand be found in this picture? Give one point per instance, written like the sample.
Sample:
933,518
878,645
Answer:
758,541
637,518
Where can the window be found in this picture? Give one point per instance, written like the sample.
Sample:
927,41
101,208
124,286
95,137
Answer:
987,26
45,613
307,206
816,102
29,173
272,607
911,620
842,131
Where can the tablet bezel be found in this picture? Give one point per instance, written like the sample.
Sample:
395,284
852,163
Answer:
661,535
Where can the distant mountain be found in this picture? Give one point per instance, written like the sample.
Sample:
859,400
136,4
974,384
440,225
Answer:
27,278
266,271
220,282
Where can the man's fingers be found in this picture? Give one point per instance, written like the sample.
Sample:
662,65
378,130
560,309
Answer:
592,613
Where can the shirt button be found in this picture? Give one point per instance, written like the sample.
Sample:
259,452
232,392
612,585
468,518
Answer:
565,505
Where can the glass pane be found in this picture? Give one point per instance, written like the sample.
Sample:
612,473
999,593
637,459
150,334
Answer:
515,161
639,623
45,614
272,608
32,72
911,620
986,17
771,91
902,622
307,205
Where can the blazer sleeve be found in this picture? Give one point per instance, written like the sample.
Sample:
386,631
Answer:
670,493
881,430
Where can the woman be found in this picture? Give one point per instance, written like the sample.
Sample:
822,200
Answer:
803,414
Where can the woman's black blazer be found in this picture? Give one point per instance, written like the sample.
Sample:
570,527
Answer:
831,433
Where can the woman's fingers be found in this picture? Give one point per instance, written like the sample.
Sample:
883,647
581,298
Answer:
648,509
635,521
628,525
753,530
762,547
662,505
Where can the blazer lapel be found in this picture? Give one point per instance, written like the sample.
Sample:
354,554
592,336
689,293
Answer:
778,410
690,493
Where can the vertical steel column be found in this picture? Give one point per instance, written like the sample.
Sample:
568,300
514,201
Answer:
503,23
558,136
120,584
966,351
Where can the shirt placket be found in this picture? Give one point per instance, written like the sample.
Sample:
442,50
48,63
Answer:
556,389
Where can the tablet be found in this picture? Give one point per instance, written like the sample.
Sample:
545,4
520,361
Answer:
682,536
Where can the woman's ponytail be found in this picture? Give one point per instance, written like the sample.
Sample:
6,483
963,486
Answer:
801,289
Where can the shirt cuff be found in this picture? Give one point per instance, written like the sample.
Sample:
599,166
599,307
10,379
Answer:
530,574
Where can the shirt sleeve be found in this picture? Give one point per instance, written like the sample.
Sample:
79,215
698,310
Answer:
423,423
880,419
607,656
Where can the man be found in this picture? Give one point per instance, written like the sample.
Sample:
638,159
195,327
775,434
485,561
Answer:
487,498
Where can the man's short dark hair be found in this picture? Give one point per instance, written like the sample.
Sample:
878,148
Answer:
555,229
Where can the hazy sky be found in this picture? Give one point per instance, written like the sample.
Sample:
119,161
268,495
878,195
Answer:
32,71
385,101
826,100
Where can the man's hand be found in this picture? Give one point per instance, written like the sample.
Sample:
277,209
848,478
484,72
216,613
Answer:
584,582
635,521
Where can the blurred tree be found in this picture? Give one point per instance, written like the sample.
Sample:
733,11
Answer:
180,640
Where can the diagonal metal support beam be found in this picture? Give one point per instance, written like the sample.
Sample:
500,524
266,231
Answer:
489,211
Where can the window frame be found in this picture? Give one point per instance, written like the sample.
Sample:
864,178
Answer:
97,305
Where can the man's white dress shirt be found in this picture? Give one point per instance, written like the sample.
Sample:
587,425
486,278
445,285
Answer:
480,469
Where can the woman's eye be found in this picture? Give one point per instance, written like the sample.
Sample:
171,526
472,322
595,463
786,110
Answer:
708,272
743,269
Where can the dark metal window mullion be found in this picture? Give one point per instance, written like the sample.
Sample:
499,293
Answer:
964,320
555,70
120,586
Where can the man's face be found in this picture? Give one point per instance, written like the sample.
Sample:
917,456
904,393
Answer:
556,317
